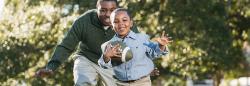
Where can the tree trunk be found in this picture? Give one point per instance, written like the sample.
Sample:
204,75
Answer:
217,78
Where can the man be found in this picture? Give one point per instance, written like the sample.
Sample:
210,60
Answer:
90,30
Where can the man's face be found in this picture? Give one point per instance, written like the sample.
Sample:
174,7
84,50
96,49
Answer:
121,23
104,10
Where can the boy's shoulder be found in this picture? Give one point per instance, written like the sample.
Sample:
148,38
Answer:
142,35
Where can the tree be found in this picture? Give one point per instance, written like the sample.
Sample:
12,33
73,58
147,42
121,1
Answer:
29,32
207,35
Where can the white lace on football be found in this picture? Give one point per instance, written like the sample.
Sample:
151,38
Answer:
124,52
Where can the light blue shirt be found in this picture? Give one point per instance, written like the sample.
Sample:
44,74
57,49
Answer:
143,50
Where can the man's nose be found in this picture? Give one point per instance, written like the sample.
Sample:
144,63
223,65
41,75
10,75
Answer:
108,13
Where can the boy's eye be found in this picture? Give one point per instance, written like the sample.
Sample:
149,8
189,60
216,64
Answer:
125,20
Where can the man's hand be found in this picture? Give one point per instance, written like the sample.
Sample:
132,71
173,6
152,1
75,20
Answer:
155,72
43,73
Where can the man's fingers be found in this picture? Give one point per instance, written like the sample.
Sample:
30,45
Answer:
43,73
155,72
37,74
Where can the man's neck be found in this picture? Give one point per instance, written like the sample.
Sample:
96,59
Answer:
106,27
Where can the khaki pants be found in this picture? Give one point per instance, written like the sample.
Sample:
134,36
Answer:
146,81
87,73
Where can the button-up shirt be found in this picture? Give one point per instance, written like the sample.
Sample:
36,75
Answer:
143,50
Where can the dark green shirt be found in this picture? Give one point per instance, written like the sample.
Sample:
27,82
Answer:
89,33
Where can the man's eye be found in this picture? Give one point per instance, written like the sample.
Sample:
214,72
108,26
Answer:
112,10
102,10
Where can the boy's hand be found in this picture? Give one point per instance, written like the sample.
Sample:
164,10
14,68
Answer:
112,52
163,40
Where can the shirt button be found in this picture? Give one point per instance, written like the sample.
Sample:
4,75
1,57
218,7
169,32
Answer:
129,76
128,68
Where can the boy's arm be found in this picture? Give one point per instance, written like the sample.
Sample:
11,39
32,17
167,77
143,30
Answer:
103,64
101,61
154,51
160,48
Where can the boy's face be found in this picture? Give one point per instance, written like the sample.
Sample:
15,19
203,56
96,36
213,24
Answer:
121,23
104,10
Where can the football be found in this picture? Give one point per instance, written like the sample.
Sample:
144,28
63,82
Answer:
126,54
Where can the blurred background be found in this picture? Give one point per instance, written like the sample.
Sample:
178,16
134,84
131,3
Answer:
210,39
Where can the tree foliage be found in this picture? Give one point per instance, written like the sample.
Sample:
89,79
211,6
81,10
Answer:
207,35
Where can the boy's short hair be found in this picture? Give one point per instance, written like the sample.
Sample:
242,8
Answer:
120,9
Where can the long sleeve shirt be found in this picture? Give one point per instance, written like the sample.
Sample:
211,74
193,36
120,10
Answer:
143,50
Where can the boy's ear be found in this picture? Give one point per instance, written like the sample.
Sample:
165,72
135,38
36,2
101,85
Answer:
112,27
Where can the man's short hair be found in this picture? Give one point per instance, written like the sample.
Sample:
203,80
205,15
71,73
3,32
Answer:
98,2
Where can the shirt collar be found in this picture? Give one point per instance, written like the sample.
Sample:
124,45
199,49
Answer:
131,35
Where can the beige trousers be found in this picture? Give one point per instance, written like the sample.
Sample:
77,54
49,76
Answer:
146,81
87,73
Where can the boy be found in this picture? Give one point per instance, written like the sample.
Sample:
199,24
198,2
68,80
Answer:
134,72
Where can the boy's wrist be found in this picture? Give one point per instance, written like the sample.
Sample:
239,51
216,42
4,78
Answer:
162,47
106,58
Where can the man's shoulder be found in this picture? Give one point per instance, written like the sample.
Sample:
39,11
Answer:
87,15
